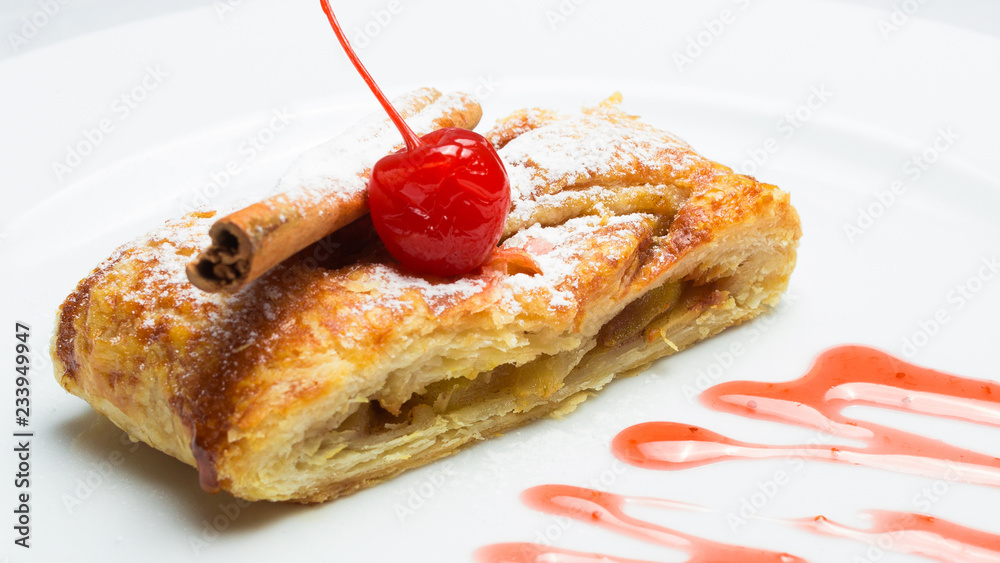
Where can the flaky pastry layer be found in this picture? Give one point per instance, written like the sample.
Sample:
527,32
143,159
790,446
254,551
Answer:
339,368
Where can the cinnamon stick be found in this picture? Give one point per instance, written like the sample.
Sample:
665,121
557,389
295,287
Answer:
324,190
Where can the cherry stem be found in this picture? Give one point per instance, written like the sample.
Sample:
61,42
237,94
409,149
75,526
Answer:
412,141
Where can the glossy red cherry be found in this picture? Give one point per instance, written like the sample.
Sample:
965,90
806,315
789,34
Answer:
440,208
440,204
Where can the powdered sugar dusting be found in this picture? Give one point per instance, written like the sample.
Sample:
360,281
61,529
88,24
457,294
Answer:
338,169
556,249
165,253
389,286
168,251
583,150
544,164
160,258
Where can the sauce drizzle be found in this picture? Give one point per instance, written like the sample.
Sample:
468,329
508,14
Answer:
606,510
842,377
904,532
537,553
918,534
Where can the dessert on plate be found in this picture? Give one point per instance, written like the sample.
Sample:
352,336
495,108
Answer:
339,367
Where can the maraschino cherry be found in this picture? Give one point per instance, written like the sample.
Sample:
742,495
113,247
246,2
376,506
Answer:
440,204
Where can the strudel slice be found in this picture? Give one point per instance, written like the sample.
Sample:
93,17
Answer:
339,368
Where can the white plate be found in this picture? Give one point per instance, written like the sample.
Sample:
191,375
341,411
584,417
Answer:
220,78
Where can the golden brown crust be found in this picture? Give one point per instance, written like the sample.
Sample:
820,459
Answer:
519,123
338,368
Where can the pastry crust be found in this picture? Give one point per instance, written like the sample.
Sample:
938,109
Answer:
339,369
